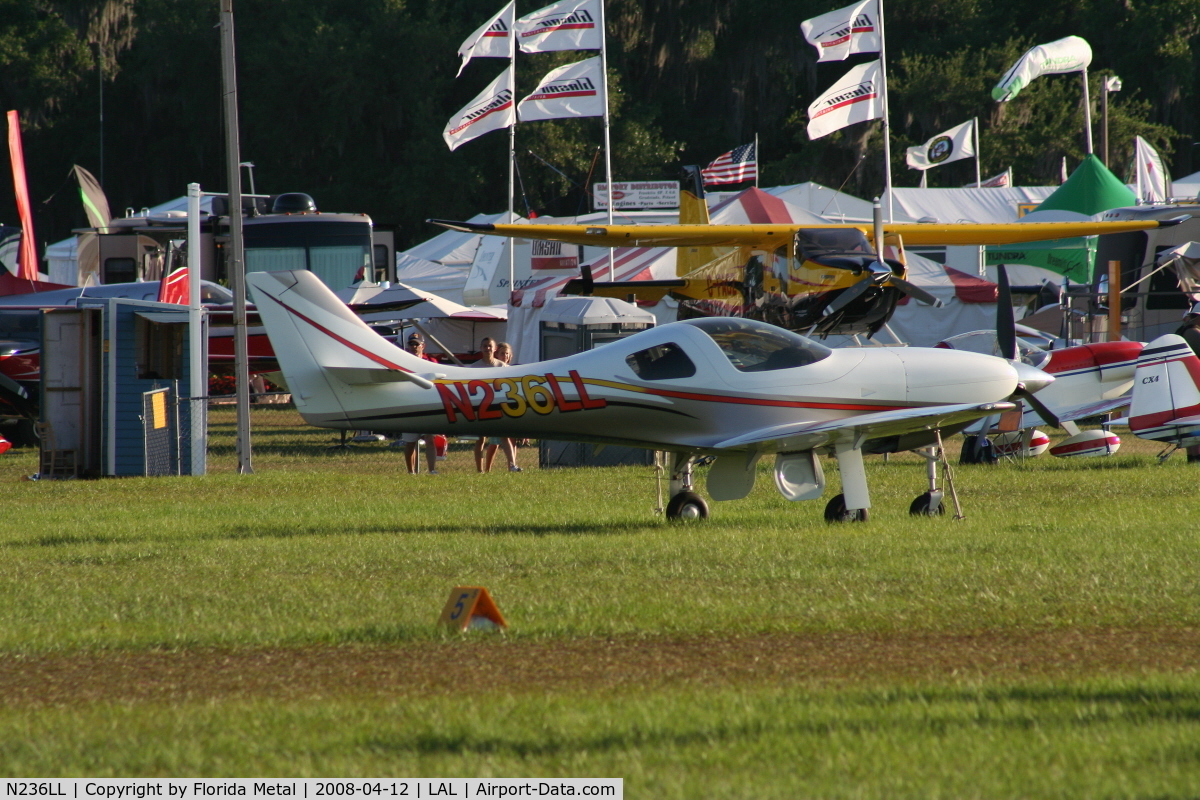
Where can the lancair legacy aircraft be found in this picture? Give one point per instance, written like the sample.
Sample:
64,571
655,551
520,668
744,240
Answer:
732,388
812,278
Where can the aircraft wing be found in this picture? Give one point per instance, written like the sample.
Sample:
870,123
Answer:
770,236
807,435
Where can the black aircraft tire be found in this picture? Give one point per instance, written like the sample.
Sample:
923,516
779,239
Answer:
975,451
687,506
22,433
920,507
836,511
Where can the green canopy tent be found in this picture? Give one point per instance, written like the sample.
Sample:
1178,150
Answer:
1090,190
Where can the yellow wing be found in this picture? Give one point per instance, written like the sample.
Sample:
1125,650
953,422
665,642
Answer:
770,236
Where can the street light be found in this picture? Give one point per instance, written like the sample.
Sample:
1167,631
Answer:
1111,84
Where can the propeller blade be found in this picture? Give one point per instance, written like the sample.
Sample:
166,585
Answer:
1041,408
1006,323
848,296
916,292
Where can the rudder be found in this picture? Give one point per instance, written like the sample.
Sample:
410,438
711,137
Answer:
1166,390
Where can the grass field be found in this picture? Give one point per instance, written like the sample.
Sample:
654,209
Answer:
283,624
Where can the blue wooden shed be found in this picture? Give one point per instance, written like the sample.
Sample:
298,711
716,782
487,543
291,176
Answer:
115,377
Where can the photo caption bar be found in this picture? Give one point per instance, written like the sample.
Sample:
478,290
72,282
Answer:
420,788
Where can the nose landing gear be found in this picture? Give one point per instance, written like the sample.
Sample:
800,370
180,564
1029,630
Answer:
684,504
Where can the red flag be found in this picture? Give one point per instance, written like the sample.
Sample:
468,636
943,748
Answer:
174,288
28,260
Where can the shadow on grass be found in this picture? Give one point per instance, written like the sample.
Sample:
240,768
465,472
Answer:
61,540
247,532
490,528
933,714
291,450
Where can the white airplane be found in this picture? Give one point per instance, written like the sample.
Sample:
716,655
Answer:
1166,394
733,388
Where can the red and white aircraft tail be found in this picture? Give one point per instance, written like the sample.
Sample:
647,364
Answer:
325,351
1166,393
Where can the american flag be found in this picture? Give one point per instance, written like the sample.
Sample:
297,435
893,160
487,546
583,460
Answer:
1001,180
738,165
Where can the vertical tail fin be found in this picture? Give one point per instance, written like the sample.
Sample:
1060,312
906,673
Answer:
326,353
693,210
1166,391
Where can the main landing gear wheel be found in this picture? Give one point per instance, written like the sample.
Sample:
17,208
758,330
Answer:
928,505
836,511
978,450
687,505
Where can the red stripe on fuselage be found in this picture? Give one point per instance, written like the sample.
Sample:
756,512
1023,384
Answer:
1091,444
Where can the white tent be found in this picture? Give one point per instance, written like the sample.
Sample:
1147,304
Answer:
524,323
440,265
829,204
991,204
1187,187
968,304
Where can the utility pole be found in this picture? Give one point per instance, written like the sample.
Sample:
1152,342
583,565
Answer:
235,260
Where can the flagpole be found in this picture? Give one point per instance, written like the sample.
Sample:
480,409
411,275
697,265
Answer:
757,160
980,254
512,160
978,174
887,133
607,136
1087,113
1137,172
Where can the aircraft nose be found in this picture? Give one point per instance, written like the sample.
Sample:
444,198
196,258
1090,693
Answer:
1032,378
956,376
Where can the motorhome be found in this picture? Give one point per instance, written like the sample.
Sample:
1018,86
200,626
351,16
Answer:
284,231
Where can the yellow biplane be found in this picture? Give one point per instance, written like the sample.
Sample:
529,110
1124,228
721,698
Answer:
811,278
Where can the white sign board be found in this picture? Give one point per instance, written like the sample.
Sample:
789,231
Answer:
637,194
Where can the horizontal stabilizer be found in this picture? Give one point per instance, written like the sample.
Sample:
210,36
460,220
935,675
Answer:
644,290
358,376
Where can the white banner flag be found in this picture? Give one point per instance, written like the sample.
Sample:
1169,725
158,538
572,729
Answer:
567,25
956,143
494,39
570,91
1152,178
491,110
842,33
855,98
1071,54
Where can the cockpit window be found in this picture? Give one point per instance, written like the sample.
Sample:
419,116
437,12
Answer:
661,362
814,242
986,342
753,346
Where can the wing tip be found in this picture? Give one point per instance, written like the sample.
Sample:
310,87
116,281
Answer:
463,227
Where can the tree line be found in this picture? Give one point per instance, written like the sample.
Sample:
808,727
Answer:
347,99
